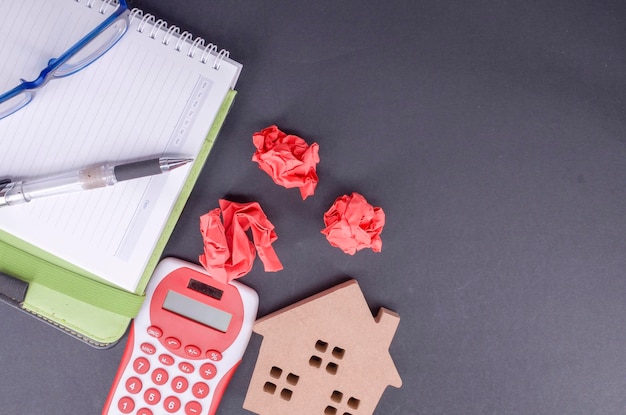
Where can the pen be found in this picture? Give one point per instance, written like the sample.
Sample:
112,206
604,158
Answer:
107,174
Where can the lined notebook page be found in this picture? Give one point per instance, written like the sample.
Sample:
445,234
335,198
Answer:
142,99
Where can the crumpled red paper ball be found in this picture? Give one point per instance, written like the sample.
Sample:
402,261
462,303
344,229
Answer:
228,252
353,224
288,159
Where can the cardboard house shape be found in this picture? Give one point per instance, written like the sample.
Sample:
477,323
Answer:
325,355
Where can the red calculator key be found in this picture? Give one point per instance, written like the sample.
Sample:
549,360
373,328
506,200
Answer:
126,405
214,355
147,348
133,385
171,404
166,359
193,351
200,390
172,343
186,367
180,384
154,331
159,376
144,411
193,408
152,396
141,365
208,371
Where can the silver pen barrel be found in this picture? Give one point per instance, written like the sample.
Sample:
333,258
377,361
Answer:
102,175
69,182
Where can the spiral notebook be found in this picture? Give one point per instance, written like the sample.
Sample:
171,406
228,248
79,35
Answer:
159,91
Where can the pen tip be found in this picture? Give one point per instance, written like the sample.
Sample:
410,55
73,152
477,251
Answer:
174,163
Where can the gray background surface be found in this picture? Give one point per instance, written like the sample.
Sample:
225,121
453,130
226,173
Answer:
492,133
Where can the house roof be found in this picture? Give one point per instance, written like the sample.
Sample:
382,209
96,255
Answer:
342,313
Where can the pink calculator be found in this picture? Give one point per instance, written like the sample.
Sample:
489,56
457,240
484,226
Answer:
184,345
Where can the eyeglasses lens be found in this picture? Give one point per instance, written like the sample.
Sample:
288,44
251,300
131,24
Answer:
9,106
93,49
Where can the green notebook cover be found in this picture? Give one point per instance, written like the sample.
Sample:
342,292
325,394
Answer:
80,303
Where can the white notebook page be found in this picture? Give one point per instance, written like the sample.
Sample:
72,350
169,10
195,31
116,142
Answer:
140,100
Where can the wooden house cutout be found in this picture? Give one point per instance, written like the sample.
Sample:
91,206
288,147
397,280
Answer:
325,355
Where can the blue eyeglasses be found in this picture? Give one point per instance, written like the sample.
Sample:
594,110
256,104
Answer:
84,52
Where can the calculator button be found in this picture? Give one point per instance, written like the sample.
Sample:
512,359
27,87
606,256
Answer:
180,384
192,351
141,365
200,390
214,355
126,405
185,367
166,359
152,396
193,408
208,371
172,343
144,411
159,376
171,404
133,385
154,331
147,348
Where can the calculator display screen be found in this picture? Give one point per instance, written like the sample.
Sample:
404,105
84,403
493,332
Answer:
197,311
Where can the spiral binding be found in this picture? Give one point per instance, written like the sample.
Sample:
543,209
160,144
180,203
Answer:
159,28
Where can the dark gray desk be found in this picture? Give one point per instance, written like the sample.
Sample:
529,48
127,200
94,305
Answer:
493,134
